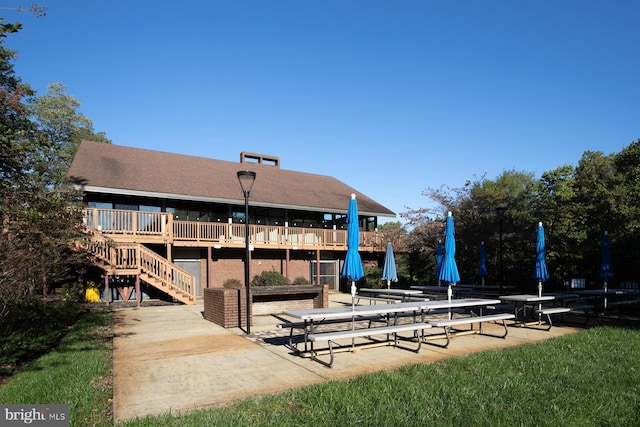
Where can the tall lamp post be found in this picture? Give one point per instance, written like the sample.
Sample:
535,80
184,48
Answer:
247,178
501,210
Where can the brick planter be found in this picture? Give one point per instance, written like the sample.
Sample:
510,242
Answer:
226,306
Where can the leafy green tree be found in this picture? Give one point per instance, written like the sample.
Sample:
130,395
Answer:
40,224
61,128
15,127
627,199
555,206
576,205
503,213
598,194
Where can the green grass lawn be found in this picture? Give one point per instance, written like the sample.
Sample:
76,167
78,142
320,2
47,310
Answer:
591,378
77,372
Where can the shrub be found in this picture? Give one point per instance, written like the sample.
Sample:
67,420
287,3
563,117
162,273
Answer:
300,281
270,278
232,283
72,291
373,277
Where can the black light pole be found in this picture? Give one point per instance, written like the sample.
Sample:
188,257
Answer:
247,178
501,210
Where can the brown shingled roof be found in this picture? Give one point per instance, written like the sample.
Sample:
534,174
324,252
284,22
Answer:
108,168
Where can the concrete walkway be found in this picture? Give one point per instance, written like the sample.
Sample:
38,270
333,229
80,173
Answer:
170,359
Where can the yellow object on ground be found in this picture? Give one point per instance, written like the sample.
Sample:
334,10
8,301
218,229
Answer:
92,294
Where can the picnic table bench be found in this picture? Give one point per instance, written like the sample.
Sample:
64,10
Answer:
404,295
332,336
304,325
389,300
447,324
550,311
582,308
624,302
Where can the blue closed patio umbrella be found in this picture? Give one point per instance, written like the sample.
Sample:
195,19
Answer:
389,272
352,267
606,270
541,274
439,258
482,270
449,271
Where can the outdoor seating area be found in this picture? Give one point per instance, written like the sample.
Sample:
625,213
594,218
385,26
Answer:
408,318
428,314
353,328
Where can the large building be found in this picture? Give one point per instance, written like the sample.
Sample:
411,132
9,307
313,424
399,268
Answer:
177,223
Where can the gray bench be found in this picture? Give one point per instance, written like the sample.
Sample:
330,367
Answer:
302,325
446,324
550,311
331,337
624,302
388,300
579,310
414,298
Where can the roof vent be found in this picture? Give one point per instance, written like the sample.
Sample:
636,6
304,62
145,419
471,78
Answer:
259,158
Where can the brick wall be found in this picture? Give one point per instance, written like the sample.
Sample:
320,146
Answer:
221,305
225,307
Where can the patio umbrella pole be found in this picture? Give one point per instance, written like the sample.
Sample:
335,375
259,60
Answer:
606,271
353,308
540,304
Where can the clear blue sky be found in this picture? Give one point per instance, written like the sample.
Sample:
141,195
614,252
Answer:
390,97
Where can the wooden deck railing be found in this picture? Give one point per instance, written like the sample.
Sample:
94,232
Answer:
161,227
134,258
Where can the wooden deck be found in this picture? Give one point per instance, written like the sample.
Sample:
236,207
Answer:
118,239
125,226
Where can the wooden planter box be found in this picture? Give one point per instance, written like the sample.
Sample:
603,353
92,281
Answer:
227,306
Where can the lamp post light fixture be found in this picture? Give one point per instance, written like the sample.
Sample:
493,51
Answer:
246,179
501,210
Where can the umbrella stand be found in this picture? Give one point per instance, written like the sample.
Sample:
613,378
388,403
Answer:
605,297
449,293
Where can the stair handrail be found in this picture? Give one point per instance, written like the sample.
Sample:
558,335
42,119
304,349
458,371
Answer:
158,267
136,256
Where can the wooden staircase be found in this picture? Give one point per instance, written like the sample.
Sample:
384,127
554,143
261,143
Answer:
136,259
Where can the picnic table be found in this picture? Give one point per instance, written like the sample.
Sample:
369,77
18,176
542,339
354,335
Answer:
611,297
403,294
416,311
435,291
522,302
